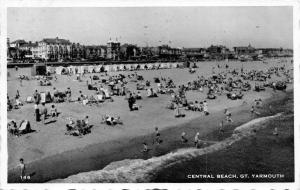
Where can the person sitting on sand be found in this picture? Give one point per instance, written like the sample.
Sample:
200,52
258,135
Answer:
138,96
109,120
228,115
258,103
253,111
275,132
53,111
183,138
145,147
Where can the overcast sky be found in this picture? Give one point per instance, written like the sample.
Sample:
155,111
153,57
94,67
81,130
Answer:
176,26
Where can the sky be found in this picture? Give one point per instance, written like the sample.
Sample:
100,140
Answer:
261,27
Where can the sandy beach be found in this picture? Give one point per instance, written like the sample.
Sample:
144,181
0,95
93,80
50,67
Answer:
105,143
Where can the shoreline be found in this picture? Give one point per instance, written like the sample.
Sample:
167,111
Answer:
90,158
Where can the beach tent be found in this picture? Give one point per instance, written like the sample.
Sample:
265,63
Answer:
81,69
128,66
138,67
174,65
115,68
58,70
135,66
150,66
157,65
142,66
106,68
132,67
24,126
85,69
91,69
163,65
169,65
111,68
98,69
73,69
64,70
38,69
180,64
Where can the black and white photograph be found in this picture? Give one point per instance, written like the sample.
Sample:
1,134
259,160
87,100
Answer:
149,94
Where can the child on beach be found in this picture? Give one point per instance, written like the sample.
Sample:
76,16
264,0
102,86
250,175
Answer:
275,132
183,138
196,140
145,147
253,111
157,136
221,129
22,169
53,111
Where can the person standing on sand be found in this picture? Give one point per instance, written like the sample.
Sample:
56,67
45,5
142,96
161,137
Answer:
196,139
22,169
36,112
44,113
157,136
205,108
221,129
69,94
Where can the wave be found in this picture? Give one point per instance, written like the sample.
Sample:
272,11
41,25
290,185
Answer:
142,171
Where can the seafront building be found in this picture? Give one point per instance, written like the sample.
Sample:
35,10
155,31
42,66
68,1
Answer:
62,50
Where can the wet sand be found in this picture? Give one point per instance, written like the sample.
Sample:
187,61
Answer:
262,153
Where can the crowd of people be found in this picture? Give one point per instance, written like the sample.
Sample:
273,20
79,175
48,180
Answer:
224,80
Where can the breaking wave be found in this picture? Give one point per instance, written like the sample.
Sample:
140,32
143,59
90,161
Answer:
139,170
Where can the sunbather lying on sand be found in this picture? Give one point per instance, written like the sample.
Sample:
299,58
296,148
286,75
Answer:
109,120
